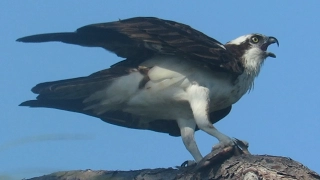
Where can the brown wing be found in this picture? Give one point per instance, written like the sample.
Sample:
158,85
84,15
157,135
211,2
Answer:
141,37
69,95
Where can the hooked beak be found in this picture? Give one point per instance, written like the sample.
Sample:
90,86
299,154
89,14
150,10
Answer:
269,40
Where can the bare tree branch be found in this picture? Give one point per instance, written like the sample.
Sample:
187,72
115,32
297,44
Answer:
224,165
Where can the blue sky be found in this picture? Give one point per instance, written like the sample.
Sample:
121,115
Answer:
279,117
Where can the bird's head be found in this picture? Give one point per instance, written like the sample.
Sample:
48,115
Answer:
252,49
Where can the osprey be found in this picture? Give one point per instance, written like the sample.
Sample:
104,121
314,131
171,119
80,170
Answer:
174,79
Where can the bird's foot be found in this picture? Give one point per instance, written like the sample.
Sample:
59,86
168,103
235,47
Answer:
222,144
240,144
223,151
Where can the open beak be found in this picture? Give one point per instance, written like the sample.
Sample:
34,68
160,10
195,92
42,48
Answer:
269,40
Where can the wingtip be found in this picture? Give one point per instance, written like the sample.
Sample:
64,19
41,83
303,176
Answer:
29,103
19,40
27,39
25,103
24,39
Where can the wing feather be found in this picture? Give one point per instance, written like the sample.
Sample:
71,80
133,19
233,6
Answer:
139,38
78,87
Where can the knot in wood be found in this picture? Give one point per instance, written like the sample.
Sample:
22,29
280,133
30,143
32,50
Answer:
251,174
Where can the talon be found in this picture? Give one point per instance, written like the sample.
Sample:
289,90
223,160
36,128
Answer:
242,145
188,163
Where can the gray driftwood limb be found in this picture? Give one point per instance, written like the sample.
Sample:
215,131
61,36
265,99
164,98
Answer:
241,167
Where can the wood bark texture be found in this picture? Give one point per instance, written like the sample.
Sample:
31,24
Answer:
240,167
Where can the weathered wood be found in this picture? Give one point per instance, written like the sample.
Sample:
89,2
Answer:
246,167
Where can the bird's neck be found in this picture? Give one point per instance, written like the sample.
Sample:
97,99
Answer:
252,61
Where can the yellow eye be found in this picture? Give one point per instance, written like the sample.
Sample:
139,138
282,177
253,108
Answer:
255,39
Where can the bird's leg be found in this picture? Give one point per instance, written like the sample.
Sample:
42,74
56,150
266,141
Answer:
187,127
199,101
